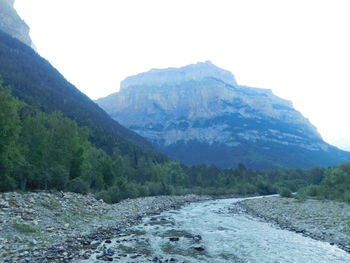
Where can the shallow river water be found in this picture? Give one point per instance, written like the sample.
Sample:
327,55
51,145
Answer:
210,232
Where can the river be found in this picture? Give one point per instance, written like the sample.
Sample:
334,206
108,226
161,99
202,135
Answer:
211,232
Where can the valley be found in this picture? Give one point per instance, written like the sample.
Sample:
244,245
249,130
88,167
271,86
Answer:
181,164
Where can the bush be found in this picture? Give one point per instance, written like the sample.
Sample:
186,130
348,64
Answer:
143,190
79,186
312,190
154,188
129,191
346,197
105,196
264,188
301,194
7,183
285,192
115,194
57,177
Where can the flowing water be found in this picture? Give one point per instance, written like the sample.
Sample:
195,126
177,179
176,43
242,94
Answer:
210,232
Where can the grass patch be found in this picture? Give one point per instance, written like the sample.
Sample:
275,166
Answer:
107,217
25,229
51,204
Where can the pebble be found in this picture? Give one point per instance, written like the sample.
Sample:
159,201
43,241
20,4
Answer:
17,238
199,248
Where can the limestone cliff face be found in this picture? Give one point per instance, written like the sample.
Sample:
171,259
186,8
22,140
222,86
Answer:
12,24
199,114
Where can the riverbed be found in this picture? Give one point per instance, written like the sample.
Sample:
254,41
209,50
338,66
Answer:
212,231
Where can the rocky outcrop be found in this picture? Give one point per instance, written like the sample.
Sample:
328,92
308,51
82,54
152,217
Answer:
199,114
12,24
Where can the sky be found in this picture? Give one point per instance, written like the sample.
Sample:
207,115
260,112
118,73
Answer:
298,48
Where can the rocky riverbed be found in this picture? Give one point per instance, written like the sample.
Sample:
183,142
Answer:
211,231
320,219
57,227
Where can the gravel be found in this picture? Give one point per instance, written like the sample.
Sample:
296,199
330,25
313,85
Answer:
319,219
57,227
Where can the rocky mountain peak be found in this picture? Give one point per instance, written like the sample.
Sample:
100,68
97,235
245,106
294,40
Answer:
10,2
12,24
198,114
195,72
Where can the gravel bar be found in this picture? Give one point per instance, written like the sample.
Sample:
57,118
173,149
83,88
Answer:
323,220
57,227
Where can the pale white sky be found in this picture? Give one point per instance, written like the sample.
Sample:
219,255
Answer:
298,48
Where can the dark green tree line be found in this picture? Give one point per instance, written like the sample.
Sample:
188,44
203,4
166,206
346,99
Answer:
47,151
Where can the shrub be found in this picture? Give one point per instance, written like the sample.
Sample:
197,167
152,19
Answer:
105,196
79,186
115,194
143,190
301,194
7,183
285,192
346,197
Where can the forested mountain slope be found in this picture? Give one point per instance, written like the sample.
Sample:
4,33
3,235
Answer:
36,82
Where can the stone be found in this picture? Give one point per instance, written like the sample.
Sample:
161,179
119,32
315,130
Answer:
17,238
199,248
50,229
27,217
4,204
197,237
174,239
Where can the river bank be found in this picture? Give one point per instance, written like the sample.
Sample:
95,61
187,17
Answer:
56,227
319,219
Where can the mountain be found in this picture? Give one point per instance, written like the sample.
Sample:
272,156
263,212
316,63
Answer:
12,24
36,82
198,114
